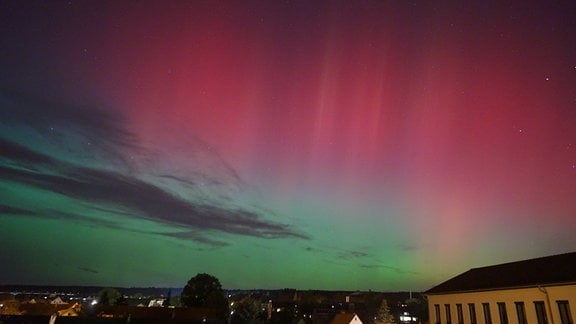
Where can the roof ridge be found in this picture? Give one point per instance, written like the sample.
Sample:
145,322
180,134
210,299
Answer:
552,269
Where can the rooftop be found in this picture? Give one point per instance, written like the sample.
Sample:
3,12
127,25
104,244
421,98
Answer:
549,270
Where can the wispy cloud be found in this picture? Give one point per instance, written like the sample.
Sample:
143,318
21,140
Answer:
110,188
406,247
82,131
144,199
89,270
9,210
352,255
390,268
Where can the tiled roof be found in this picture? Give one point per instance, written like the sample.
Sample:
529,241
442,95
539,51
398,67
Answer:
555,269
343,318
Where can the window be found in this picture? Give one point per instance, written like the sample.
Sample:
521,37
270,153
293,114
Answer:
461,315
502,313
437,313
472,310
486,310
541,312
521,312
448,316
564,309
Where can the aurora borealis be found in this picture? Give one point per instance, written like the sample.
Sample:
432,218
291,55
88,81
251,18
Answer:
355,145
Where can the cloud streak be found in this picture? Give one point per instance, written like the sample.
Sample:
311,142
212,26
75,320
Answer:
144,199
390,268
111,187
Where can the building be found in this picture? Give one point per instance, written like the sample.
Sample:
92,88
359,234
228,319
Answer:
346,318
535,291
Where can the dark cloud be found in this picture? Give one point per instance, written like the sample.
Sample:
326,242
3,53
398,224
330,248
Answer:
405,247
9,210
195,236
59,215
352,255
52,116
21,156
144,199
387,267
89,270
111,188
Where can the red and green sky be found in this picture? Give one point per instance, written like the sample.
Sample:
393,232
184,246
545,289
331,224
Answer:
383,145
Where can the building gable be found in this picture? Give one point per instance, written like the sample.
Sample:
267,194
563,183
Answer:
556,269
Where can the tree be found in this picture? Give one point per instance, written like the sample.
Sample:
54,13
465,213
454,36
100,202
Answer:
383,316
167,301
204,290
198,289
248,310
109,296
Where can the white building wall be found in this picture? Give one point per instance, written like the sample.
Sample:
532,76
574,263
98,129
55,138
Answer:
549,295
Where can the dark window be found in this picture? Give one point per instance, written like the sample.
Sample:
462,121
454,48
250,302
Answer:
437,313
460,314
564,309
448,316
502,313
486,310
472,310
521,312
541,312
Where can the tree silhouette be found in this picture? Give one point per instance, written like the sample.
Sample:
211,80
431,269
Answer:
383,316
248,310
198,289
168,298
109,296
204,290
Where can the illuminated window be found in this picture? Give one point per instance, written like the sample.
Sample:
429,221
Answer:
486,311
448,316
472,310
564,309
541,312
502,313
460,314
521,313
437,313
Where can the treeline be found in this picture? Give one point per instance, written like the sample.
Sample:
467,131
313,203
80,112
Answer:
88,290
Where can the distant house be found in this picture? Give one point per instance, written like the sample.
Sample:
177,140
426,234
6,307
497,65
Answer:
346,318
58,301
534,291
158,314
73,310
156,302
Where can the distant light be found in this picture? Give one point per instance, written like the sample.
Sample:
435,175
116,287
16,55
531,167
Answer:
407,318
277,310
94,302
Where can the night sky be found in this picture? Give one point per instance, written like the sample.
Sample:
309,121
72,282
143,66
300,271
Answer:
354,145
